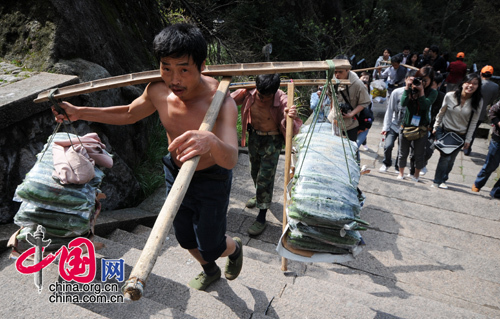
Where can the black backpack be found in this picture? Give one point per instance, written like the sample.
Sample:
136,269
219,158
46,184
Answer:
365,118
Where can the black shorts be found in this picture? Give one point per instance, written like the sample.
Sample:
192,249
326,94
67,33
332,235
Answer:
201,220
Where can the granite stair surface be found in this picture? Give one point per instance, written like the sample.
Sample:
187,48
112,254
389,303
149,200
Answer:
430,253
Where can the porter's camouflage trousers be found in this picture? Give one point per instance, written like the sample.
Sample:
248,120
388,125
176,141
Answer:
264,152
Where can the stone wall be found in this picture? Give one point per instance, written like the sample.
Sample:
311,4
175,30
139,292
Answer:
90,40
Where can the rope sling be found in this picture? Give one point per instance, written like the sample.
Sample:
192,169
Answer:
60,110
329,76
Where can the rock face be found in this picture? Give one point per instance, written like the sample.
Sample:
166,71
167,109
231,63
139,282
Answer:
116,34
88,39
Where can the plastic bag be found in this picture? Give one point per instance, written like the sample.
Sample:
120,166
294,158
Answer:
42,190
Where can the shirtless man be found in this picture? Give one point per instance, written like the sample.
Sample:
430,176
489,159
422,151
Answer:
263,115
182,100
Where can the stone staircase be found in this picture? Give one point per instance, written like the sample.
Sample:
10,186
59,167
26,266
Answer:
263,290
430,253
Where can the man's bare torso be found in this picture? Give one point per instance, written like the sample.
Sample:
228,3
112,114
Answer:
179,116
260,113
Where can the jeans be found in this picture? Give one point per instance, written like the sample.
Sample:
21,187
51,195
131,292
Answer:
429,150
491,164
352,135
361,139
445,164
418,151
390,139
475,131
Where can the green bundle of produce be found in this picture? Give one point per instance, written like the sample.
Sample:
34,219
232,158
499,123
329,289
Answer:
324,207
55,241
346,239
65,211
64,225
42,190
300,241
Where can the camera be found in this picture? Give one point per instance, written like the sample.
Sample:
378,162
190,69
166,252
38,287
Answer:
345,108
416,82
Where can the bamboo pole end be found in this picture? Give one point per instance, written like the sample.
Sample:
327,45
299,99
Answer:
133,289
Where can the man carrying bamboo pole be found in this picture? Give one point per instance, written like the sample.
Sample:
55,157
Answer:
181,100
263,115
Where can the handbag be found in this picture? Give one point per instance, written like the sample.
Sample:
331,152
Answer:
449,143
412,133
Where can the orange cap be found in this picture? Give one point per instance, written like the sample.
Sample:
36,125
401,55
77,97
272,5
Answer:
487,69
460,55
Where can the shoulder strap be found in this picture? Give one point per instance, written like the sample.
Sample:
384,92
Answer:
348,99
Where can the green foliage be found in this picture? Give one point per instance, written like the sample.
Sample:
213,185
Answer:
149,172
238,125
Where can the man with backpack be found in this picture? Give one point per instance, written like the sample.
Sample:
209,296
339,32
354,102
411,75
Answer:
352,100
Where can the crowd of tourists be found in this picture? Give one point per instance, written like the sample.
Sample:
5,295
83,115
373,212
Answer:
429,101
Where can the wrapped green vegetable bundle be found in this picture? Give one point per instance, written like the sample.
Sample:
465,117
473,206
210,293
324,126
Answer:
323,212
63,224
55,241
341,238
324,207
299,241
322,186
41,189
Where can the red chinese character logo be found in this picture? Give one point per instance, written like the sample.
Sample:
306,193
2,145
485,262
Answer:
72,264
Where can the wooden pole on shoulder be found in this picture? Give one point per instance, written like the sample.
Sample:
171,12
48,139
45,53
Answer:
210,70
288,160
134,286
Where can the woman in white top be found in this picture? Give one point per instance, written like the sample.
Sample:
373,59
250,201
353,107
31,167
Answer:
459,114
383,60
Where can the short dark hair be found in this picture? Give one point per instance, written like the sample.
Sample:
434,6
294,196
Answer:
397,58
434,48
426,71
410,72
181,39
438,78
342,57
267,83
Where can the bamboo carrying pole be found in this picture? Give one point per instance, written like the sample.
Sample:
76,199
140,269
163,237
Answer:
300,82
386,66
372,68
211,70
134,285
409,66
288,160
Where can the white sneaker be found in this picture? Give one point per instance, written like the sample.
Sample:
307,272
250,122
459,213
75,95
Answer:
365,148
396,170
383,169
364,170
400,177
423,171
409,175
415,179
443,186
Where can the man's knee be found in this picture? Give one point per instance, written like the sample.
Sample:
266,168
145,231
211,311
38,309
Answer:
212,253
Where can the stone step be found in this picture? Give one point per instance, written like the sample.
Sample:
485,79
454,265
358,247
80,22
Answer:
167,284
39,306
142,230
350,296
450,260
357,275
